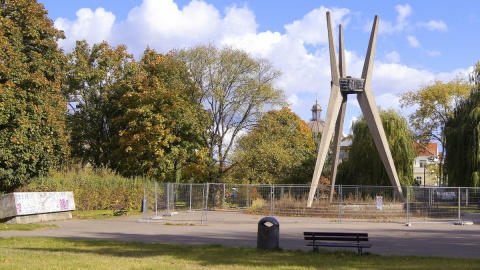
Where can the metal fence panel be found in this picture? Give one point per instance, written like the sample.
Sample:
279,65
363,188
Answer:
192,202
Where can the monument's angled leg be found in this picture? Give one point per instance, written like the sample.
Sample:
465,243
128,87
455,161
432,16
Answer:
341,117
336,144
334,105
337,107
371,115
333,110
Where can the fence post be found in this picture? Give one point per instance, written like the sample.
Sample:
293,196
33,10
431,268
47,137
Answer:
144,201
205,202
466,197
168,198
248,196
190,199
272,197
340,191
156,199
408,206
223,197
459,203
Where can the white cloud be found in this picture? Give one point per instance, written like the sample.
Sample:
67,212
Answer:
160,24
387,101
239,21
307,29
433,25
403,13
93,26
401,22
396,78
293,100
433,53
163,26
413,42
393,57
352,121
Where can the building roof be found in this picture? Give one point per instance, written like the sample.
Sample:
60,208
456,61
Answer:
429,149
316,126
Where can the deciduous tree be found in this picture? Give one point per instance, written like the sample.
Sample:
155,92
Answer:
462,134
163,122
364,166
279,150
95,80
236,89
32,109
433,103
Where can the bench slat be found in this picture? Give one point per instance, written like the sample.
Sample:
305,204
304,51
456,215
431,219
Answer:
333,244
335,234
332,239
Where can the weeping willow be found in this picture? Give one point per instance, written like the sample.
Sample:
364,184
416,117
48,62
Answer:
364,165
462,134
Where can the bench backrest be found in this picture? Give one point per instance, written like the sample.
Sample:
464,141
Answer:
332,236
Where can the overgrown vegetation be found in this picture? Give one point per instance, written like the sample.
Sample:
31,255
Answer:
98,189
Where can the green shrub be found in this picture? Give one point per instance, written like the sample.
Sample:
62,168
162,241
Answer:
98,189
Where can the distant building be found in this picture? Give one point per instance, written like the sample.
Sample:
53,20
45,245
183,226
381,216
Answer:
425,164
316,124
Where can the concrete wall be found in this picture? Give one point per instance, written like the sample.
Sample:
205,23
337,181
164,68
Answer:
23,204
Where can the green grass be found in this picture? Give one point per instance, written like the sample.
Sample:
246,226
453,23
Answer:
25,227
94,214
54,253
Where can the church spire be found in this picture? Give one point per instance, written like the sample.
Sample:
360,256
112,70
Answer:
316,112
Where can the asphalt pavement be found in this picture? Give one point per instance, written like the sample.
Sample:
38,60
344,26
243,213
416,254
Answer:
236,229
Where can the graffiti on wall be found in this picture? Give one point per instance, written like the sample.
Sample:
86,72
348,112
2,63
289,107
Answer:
27,203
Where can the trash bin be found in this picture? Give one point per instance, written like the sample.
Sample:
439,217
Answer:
268,233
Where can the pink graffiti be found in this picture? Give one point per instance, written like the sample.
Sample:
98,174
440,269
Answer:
63,204
19,208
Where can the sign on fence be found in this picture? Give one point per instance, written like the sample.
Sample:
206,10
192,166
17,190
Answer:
379,202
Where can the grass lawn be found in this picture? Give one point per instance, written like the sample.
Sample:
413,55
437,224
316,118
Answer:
56,253
93,214
25,227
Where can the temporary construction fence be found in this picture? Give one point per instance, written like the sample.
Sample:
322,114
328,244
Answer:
192,202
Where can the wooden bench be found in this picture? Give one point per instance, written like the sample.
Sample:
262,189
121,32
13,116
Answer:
119,210
335,239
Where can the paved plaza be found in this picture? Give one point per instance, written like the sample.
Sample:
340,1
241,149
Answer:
236,229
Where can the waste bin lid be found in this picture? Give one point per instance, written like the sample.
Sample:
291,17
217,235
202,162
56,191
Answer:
268,221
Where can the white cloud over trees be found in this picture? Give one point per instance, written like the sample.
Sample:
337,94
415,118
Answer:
300,51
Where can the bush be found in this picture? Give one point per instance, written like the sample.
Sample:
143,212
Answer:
98,189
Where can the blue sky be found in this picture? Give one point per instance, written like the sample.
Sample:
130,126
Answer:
418,42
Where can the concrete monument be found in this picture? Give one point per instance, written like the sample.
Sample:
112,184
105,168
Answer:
342,86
